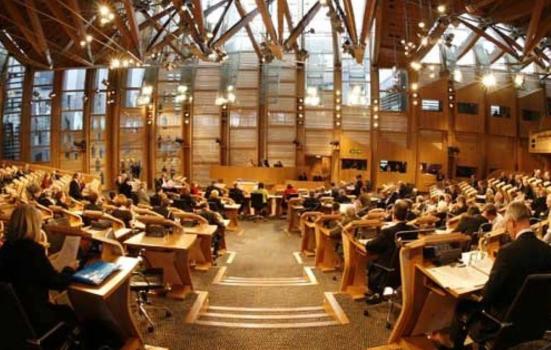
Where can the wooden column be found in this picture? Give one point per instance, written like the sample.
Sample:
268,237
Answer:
25,128
413,120
262,115
2,98
114,94
300,138
374,139
187,136
87,116
225,134
337,109
55,142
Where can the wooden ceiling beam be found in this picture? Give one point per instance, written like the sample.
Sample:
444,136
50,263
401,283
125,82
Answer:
151,20
197,11
369,16
538,56
476,6
167,40
186,18
220,21
301,26
214,7
15,50
160,29
280,19
15,17
511,12
350,21
244,21
490,38
58,13
468,44
434,34
288,17
133,25
126,36
531,33
38,30
375,55
263,8
248,29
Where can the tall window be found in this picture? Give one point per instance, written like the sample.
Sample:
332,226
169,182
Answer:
392,89
41,115
72,120
11,121
98,123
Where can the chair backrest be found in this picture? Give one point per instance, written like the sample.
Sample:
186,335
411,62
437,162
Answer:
186,217
15,327
529,315
257,200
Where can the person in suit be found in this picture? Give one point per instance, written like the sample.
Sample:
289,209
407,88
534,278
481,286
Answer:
162,208
342,198
384,246
237,195
46,199
185,202
123,211
213,218
471,221
25,265
75,187
524,256
311,203
539,205
358,186
215,203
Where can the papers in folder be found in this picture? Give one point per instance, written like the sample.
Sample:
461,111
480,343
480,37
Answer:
68,253
459,277
95,273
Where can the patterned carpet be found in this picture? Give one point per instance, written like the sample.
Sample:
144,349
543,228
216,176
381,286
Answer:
265,250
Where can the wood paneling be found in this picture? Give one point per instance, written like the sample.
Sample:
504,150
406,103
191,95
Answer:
502,126
393,146
500,154
436,120
535,102
472,93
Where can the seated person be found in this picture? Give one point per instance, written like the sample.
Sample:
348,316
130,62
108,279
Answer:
75,187
263,192
342,197
384,245
33,192
185,201
210,188
460,206
289,192
47,181
46,199
237,195
155,199
195,189
525,256
141,195
471,221
213,218
123,211
311,203
62,200
93,202
215,203
162,208
24,264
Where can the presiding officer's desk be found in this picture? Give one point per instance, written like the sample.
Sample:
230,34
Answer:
356,257
427,305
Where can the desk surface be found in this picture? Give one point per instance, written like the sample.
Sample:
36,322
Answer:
201,230
112,283
174,241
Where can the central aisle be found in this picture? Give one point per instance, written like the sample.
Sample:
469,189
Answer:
260,284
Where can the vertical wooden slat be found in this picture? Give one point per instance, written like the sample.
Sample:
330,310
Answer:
25,129
56,119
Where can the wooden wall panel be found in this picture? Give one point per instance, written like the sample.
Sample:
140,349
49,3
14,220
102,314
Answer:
502,126
393,146
437,90
527,161
533,101
500,154
473,93
469,150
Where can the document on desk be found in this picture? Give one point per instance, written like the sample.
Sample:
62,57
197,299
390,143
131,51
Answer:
458,277
68,253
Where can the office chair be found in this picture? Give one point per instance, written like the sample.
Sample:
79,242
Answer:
257,202
526,319
17,332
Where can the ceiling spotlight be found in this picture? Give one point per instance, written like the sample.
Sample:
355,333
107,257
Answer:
414,86
457,75
441,9
421,25
489,80
415,65
89,38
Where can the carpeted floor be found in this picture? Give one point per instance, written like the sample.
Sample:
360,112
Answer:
265,250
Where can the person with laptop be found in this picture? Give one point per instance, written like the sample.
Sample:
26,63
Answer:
25,265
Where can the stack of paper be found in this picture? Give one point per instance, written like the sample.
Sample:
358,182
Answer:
459,277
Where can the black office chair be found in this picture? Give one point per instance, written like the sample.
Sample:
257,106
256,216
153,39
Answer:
528,317
143,282
257,203
17,332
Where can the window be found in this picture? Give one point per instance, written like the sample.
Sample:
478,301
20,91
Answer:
500,111
393,166
467,108
98,123
134,81
431,105
428,168
465,171
72,119
392,85
530,116
11,121
41,115
358,164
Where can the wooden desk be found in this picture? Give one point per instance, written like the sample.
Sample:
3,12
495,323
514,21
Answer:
426,307
275,204
109,302
294,210
171,253
356,257
200,251
232,212
327,258
308,232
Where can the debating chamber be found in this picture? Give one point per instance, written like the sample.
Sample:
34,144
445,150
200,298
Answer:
275,174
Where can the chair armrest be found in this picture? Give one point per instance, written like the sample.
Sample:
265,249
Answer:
495,320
